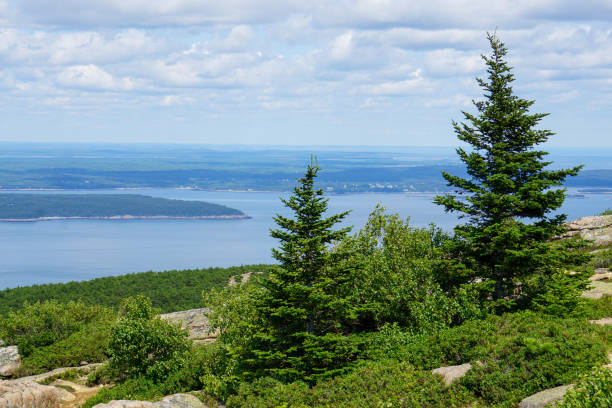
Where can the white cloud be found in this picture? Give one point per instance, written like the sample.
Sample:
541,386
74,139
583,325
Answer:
84,47
93,77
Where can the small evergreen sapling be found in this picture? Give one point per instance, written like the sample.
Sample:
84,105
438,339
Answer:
301,338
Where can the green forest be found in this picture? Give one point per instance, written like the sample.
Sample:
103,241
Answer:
17,206
366,317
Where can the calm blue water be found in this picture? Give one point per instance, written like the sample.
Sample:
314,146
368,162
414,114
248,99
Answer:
61,251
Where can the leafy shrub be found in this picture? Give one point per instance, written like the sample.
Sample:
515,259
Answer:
521,353
607,211
392,280
42,324
531,353
375,384
594,390
143,344
596,308
88,344
184,378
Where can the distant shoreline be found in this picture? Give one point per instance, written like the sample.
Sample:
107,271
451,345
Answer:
131,217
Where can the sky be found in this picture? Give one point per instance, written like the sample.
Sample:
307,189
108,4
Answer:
288,72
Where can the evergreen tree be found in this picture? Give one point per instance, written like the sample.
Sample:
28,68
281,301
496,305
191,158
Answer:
508,195
301,336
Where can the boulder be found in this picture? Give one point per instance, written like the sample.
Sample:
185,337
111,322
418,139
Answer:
179,401
601,276
602,322
546,397
15,394
596,228
10,360
194,321
171,401
452,373
598,289
125,404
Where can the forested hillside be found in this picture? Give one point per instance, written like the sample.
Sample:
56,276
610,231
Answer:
16,206
169,290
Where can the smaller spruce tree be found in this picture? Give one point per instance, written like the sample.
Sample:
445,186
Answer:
508,196
301,336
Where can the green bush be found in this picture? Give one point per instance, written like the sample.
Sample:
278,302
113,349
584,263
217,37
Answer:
594,390
88,344
392,279
183,378
596,308
531,353
143,344
607,211
375,384
521,353
42,324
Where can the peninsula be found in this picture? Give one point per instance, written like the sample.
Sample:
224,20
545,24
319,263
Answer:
45,207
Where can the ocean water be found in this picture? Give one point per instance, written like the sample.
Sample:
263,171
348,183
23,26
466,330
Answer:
61,251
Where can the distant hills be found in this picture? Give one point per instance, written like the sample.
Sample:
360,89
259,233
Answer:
344,170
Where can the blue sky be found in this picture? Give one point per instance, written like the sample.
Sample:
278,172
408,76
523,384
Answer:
342,72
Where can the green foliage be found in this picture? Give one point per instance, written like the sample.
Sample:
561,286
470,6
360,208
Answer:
300,337
392,278
184,378
42,324
532,353
594,390
87,344
508,183
169,291
143,344
375,385
607,211
50,334
596,308
561,294
519,353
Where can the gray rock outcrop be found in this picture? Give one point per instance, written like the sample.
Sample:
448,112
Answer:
28,395
194,321
10,360
546,397
597,228
171,401
452,373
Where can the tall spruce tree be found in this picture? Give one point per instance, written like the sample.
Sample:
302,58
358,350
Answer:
508,195
300,338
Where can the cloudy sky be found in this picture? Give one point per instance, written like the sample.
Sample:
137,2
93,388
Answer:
342,72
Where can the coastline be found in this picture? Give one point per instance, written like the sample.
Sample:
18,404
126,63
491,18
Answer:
132,217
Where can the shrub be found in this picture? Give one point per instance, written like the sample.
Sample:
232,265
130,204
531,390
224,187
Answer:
88,344
42,324
143,344
185,378
607,211
393,277
531,353
521,353
594,390
375,384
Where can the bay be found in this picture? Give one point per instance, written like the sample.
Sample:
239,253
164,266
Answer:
66,250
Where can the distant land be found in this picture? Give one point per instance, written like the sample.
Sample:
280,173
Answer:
45,207
354,169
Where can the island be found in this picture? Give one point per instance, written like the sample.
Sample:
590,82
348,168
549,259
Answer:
45,207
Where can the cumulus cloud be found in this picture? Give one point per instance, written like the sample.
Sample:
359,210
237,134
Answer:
93,77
